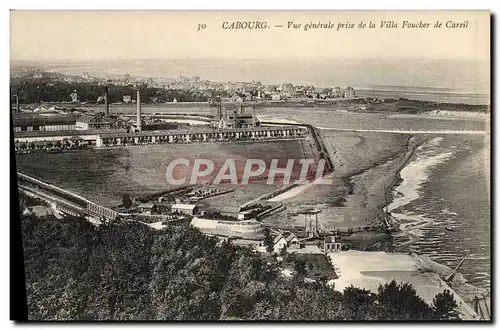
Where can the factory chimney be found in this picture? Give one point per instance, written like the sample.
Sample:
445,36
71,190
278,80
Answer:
235,118
17,103
138,109
106,104
17,100
219,111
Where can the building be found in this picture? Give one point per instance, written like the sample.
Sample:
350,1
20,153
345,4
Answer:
226,122
275,96
189,209
127,98
245,215
229,211
74,97
337,92
93,121
292,240
248,229
279,242
238,119
148,208
330,244
27,122
349,92
43,109
117,122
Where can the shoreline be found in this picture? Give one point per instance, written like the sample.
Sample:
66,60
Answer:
460,284
370,188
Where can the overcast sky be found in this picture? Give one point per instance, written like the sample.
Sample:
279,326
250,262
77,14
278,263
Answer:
97,35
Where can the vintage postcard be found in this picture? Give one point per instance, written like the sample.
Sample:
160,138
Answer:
253,165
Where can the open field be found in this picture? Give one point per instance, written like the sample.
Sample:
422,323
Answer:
104,175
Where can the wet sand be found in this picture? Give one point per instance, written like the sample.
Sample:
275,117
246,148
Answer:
369,168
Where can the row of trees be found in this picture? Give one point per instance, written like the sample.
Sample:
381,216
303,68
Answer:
75,271
32,91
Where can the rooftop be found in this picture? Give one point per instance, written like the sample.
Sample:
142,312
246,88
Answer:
231,209
29,119
184,206
146,205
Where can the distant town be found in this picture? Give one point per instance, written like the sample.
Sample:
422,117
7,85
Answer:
36,86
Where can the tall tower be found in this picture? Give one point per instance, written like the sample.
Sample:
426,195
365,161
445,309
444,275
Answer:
138,109
106,104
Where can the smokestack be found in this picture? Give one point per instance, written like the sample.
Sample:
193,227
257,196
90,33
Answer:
106,104
138,109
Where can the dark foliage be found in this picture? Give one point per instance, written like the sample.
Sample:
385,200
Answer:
49,90
126,201
445,307
268,240
127,271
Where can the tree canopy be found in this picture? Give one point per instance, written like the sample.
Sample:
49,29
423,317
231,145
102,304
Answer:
128,271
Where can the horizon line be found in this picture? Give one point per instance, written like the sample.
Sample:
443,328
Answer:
235,59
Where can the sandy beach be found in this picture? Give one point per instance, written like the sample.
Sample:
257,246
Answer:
370,269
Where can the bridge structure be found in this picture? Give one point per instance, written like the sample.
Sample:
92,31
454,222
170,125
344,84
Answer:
64,200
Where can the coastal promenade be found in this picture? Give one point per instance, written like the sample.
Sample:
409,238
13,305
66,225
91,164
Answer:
466,132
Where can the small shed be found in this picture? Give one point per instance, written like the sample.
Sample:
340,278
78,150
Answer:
244,215
147,208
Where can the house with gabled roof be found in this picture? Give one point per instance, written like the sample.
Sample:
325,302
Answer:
279,242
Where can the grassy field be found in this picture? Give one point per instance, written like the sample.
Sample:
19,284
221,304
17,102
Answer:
104,175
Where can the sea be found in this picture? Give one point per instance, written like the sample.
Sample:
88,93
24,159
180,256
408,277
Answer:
447,185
